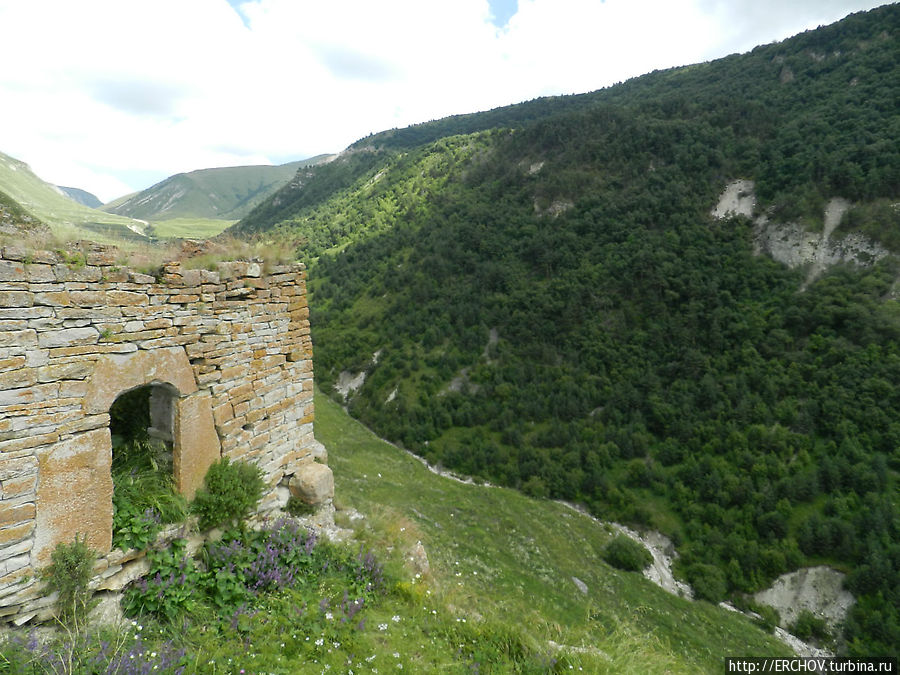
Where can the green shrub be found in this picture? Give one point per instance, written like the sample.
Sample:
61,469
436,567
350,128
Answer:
768,617
70,570
809,626
298,507
229,494
144,494
707,581
627,554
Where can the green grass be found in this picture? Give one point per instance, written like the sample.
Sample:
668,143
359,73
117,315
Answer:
193,228
497,597
508,558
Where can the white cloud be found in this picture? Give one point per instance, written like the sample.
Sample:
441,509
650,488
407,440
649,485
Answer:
106,89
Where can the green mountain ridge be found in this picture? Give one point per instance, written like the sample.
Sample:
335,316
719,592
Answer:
225,193
64,216
539,296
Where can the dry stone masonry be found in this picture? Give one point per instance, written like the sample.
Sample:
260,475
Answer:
227,354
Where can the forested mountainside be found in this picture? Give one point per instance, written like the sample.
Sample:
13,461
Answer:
539,296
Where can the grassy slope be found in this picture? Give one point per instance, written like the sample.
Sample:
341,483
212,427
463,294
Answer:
65,217
192,228
507,557
225,193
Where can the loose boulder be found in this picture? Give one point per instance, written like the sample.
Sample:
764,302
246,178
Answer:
313,483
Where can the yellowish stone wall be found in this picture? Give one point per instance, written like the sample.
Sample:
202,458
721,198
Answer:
231,346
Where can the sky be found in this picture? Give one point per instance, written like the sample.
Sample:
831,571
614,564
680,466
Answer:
112,96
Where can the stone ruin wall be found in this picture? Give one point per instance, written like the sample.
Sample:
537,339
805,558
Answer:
228,353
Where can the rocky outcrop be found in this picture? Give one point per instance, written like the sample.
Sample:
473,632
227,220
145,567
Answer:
794,245
819,590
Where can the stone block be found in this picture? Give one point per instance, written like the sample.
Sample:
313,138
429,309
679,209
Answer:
77,273
17,487
74,494
68,337
12,363
128,573
115,374
16,299
196,444
28,395
73,370
12,270
21,545
15,514
53,299
87,298
313,483
13,379
39,274
102,256
18,338
127,298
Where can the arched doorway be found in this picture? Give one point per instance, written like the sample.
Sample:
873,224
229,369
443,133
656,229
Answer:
141,424
74,492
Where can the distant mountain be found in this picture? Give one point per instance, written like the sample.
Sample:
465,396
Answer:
226,193
65,216
82,197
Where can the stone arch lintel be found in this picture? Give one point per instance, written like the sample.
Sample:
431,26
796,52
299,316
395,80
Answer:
115,374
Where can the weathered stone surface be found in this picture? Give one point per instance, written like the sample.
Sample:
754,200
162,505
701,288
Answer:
115,374
129,572
18,338
15,514
53,299
196,444
73,370
39,273
12,270
74,335
13,379
16,299
76,273
313,483
74,494
68,337
127,298
26,395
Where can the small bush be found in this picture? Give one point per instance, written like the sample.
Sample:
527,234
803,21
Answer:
627,554
768,618
299,508
70,570
229,494
808,626
708,582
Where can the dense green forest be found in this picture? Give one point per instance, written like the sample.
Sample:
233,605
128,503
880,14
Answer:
540,298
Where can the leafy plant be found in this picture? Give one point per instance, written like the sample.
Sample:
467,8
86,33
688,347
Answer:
70,570
298,508
171,587
230,492
808,626
132,527
144,495
626,554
